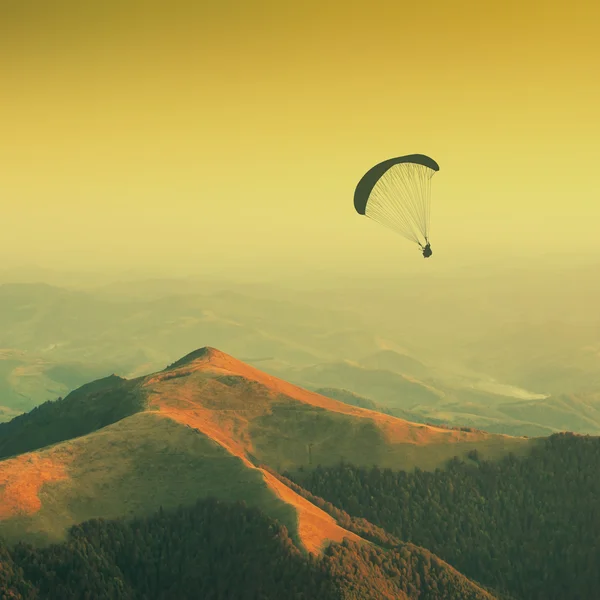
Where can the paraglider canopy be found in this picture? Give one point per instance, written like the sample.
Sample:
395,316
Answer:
396,193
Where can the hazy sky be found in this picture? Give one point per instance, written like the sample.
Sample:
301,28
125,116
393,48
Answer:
233,134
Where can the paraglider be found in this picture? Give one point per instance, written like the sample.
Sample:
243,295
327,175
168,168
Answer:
397,194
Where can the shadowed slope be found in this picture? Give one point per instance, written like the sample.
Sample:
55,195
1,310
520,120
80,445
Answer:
89,408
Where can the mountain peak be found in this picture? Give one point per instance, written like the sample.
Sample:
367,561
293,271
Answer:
204,354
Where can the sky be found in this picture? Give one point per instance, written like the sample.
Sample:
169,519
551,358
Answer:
229,136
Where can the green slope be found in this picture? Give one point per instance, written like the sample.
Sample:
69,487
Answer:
132,467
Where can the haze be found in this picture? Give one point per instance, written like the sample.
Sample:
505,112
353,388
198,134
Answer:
187,173
229,138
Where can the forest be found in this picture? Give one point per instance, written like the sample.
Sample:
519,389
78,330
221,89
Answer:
528,527
219,551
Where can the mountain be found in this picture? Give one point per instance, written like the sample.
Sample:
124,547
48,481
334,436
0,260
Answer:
509,414
355,400
352,399
390,360
552,357
199,428
510,418
393,390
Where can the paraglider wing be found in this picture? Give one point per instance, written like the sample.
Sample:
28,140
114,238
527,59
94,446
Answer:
396,193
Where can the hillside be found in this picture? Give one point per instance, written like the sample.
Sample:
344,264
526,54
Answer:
120,447
526,526
132,468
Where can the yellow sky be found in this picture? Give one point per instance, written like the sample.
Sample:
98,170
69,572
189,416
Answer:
234,134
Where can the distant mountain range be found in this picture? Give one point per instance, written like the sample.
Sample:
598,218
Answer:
546,376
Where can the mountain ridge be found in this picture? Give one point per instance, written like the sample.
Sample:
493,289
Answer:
222,418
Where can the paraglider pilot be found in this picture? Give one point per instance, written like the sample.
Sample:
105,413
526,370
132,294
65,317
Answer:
395,193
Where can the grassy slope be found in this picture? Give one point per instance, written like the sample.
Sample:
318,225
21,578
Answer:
132,468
